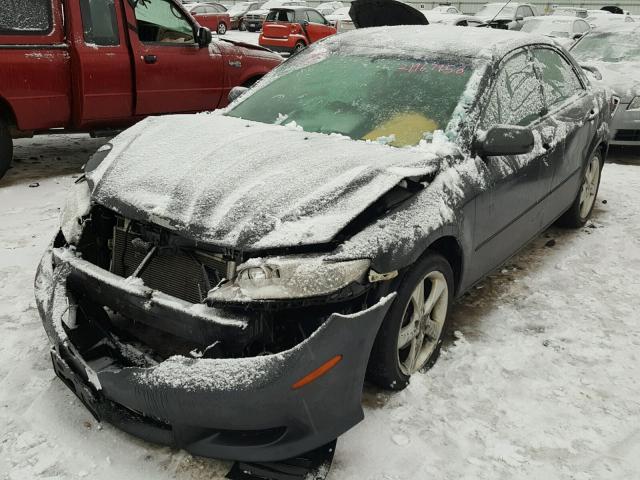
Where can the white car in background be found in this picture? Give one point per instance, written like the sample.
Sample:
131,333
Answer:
571,12
564,30
328,8
601,19
450,9
506,15
341,20
457,20
255,18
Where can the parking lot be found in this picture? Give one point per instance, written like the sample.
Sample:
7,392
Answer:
539,382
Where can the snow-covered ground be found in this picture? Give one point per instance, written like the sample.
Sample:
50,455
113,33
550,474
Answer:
540,382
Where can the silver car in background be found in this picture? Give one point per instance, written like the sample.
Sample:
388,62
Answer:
615,53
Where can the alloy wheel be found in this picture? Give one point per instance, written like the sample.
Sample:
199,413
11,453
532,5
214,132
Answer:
589,188
422,322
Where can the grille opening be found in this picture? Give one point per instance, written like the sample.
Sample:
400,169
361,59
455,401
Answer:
628,135
187,275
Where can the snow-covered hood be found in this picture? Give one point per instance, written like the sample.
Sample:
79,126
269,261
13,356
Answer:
623,78
247,185
261,12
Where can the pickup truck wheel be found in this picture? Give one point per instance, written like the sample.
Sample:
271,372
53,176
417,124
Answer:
6,148
582,206
241,26
411,334
222,28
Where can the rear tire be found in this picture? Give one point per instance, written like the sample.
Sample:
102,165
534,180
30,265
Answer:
241,26
585,200
299,47
6,148
222,28
411,334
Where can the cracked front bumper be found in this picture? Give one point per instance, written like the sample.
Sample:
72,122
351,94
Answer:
240,409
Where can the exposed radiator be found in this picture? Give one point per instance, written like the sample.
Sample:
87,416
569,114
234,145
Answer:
185,275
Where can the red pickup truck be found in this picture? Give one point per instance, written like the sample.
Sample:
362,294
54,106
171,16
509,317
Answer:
102,65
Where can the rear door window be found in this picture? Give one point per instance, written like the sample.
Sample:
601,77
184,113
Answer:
99,22
25,17
559,81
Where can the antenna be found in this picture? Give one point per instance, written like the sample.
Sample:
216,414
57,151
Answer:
499,12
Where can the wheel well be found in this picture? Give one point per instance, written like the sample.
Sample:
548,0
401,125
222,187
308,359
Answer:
250,82
450,249
6,112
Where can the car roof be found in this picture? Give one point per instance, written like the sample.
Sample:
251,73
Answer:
468,42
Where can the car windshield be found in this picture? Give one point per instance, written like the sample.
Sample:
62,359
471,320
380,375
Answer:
397,101
548,27
608,47
492,9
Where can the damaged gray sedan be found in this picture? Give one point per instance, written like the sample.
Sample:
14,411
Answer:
225,282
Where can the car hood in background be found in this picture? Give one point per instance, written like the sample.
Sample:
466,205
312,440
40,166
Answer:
380,13
622,77
246,185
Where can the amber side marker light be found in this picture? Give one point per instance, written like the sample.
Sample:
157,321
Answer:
317,373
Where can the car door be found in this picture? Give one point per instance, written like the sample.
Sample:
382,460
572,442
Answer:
509,211
318,27
572,114
102,65
204,17
172,73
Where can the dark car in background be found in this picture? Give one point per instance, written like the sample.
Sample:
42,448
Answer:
232,308
238,11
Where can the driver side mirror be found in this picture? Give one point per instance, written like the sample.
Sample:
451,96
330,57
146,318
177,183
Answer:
592,70
505,140
519,19
236,92
204,37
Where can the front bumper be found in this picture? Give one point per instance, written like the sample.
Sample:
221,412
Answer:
625,126
240,409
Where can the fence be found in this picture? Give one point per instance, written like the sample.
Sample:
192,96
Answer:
471,6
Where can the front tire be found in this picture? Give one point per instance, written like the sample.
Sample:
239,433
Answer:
241,26
222,28
582,206
411,334
6,148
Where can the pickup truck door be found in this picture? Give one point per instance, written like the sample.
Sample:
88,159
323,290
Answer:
102,78
172,73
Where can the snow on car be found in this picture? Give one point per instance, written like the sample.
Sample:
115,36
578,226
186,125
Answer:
508,15
615,53
565,30
261,292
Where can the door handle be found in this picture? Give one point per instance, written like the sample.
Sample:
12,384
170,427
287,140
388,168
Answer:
150,59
